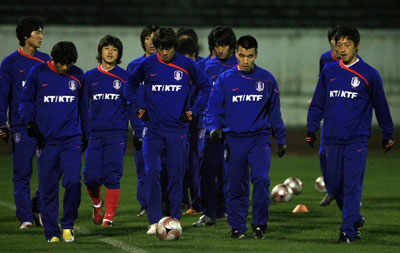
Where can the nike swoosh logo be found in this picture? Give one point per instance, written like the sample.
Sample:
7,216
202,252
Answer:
332,79
360,150
22,70
45,84
235,89
214,76
95,83
153,75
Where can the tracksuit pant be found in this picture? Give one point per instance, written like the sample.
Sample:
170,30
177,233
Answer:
23,150
212,168
242,153
171,146
322,161
141,178
56,162
346,168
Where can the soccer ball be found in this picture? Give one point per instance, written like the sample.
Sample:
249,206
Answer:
295,184
281,193
320,184
169,229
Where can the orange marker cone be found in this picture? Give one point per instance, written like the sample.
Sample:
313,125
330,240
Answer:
300,209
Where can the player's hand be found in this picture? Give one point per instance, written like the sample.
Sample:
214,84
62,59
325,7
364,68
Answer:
186,117
4,133
85,143
137,142
33,131
310,139
387,144
280,150
216,135
143,115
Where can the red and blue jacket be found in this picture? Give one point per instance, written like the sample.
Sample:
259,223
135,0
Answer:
166,90
246,104
105,96
344,98
13,74
53,101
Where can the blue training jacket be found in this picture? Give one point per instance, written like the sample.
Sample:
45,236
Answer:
53,100
344,98
166,90
104,94
13,74
246,104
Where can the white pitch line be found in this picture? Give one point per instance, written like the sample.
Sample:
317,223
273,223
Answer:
85,231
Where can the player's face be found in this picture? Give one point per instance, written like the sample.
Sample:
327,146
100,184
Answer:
62,68
109,55
36,39
347,50
166,54
223,52
148,45
246,58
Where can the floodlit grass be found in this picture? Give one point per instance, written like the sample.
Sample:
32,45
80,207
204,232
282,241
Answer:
316,231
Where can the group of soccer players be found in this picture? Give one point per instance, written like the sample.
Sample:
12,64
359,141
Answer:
199,123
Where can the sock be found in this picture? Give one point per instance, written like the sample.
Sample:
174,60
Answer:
95,194
112,200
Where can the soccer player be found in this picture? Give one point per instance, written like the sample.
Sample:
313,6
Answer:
187,32
163,104
211,154
51,109
346,93
13,73
245,106
146,39
211,48
326,58
107,129
188,47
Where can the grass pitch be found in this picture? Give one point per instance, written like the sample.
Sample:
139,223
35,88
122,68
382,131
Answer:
316,231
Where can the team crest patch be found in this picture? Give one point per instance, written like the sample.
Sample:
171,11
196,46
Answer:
178,75
17,138
73,85
117,84
259,86
355,82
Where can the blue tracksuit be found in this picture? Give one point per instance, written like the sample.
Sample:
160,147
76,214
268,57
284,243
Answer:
13,73
107,126
246,106
326,58
165,96
138,125
53,101
344,98
211,154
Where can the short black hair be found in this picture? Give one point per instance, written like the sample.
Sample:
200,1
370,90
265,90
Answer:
332,32
106,41
25,26
147,31
165,38
64,52
189,32
224,35
247,42
211,41
187,46
348,32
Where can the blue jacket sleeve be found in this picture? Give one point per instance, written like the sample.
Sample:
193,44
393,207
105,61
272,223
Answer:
28,98
275,116
5,86
317,107
215,109
134,88
381,107
84,106
204,86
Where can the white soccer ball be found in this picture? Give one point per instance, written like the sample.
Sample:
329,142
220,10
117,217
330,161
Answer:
295,184
169,229
320,184
281,193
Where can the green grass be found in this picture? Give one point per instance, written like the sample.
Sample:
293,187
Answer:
316,231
